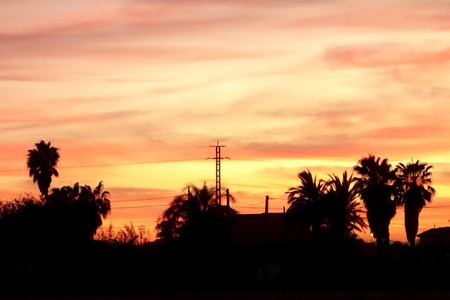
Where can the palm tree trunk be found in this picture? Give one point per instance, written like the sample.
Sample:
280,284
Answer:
411,223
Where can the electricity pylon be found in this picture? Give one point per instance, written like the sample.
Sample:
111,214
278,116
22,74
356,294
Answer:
218,158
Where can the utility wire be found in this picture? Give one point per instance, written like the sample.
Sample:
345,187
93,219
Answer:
142,206
131,163
115,164
239,201
149,150
147,162
129,152
141,199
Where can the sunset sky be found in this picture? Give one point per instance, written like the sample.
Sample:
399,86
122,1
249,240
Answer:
134,92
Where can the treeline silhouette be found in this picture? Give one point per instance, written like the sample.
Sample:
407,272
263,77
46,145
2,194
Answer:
54,242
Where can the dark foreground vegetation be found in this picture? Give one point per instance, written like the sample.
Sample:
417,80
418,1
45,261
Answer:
99,267
52,244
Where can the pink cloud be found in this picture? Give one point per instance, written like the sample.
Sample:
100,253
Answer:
20,118
413,132
380,15
379,56
395,143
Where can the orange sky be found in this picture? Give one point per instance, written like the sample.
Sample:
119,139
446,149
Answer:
134,92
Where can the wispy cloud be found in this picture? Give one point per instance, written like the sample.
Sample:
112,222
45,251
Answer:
381,56
394,16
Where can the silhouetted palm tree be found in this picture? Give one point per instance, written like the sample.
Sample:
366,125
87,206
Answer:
80,208
190,215
41,163
415,180
379,194
306,203
343,209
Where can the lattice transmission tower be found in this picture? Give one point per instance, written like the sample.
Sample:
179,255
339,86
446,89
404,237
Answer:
218,159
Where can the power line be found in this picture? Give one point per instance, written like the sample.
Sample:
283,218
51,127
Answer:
125,152
149,150
259,203
255,207
115,164
141,199
131,163
250,207
438,206
254,160
141,206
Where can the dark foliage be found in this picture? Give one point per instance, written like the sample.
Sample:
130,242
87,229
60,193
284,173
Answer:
306,203
193,216
68,218
342,208
41,163
328,208
379,193
51,242
416,190
79,208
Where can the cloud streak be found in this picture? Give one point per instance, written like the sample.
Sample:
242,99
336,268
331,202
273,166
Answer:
382,56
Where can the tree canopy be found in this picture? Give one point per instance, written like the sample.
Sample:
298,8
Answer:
328,208
42,163
191,215
83,207
415,190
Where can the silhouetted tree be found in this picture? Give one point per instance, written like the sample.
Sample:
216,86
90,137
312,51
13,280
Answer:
19,220
379,194
70,215
328,208
81,208
190,215
144,234
306,203
52,239
41,163
126,235
105,234
416,190
343,210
